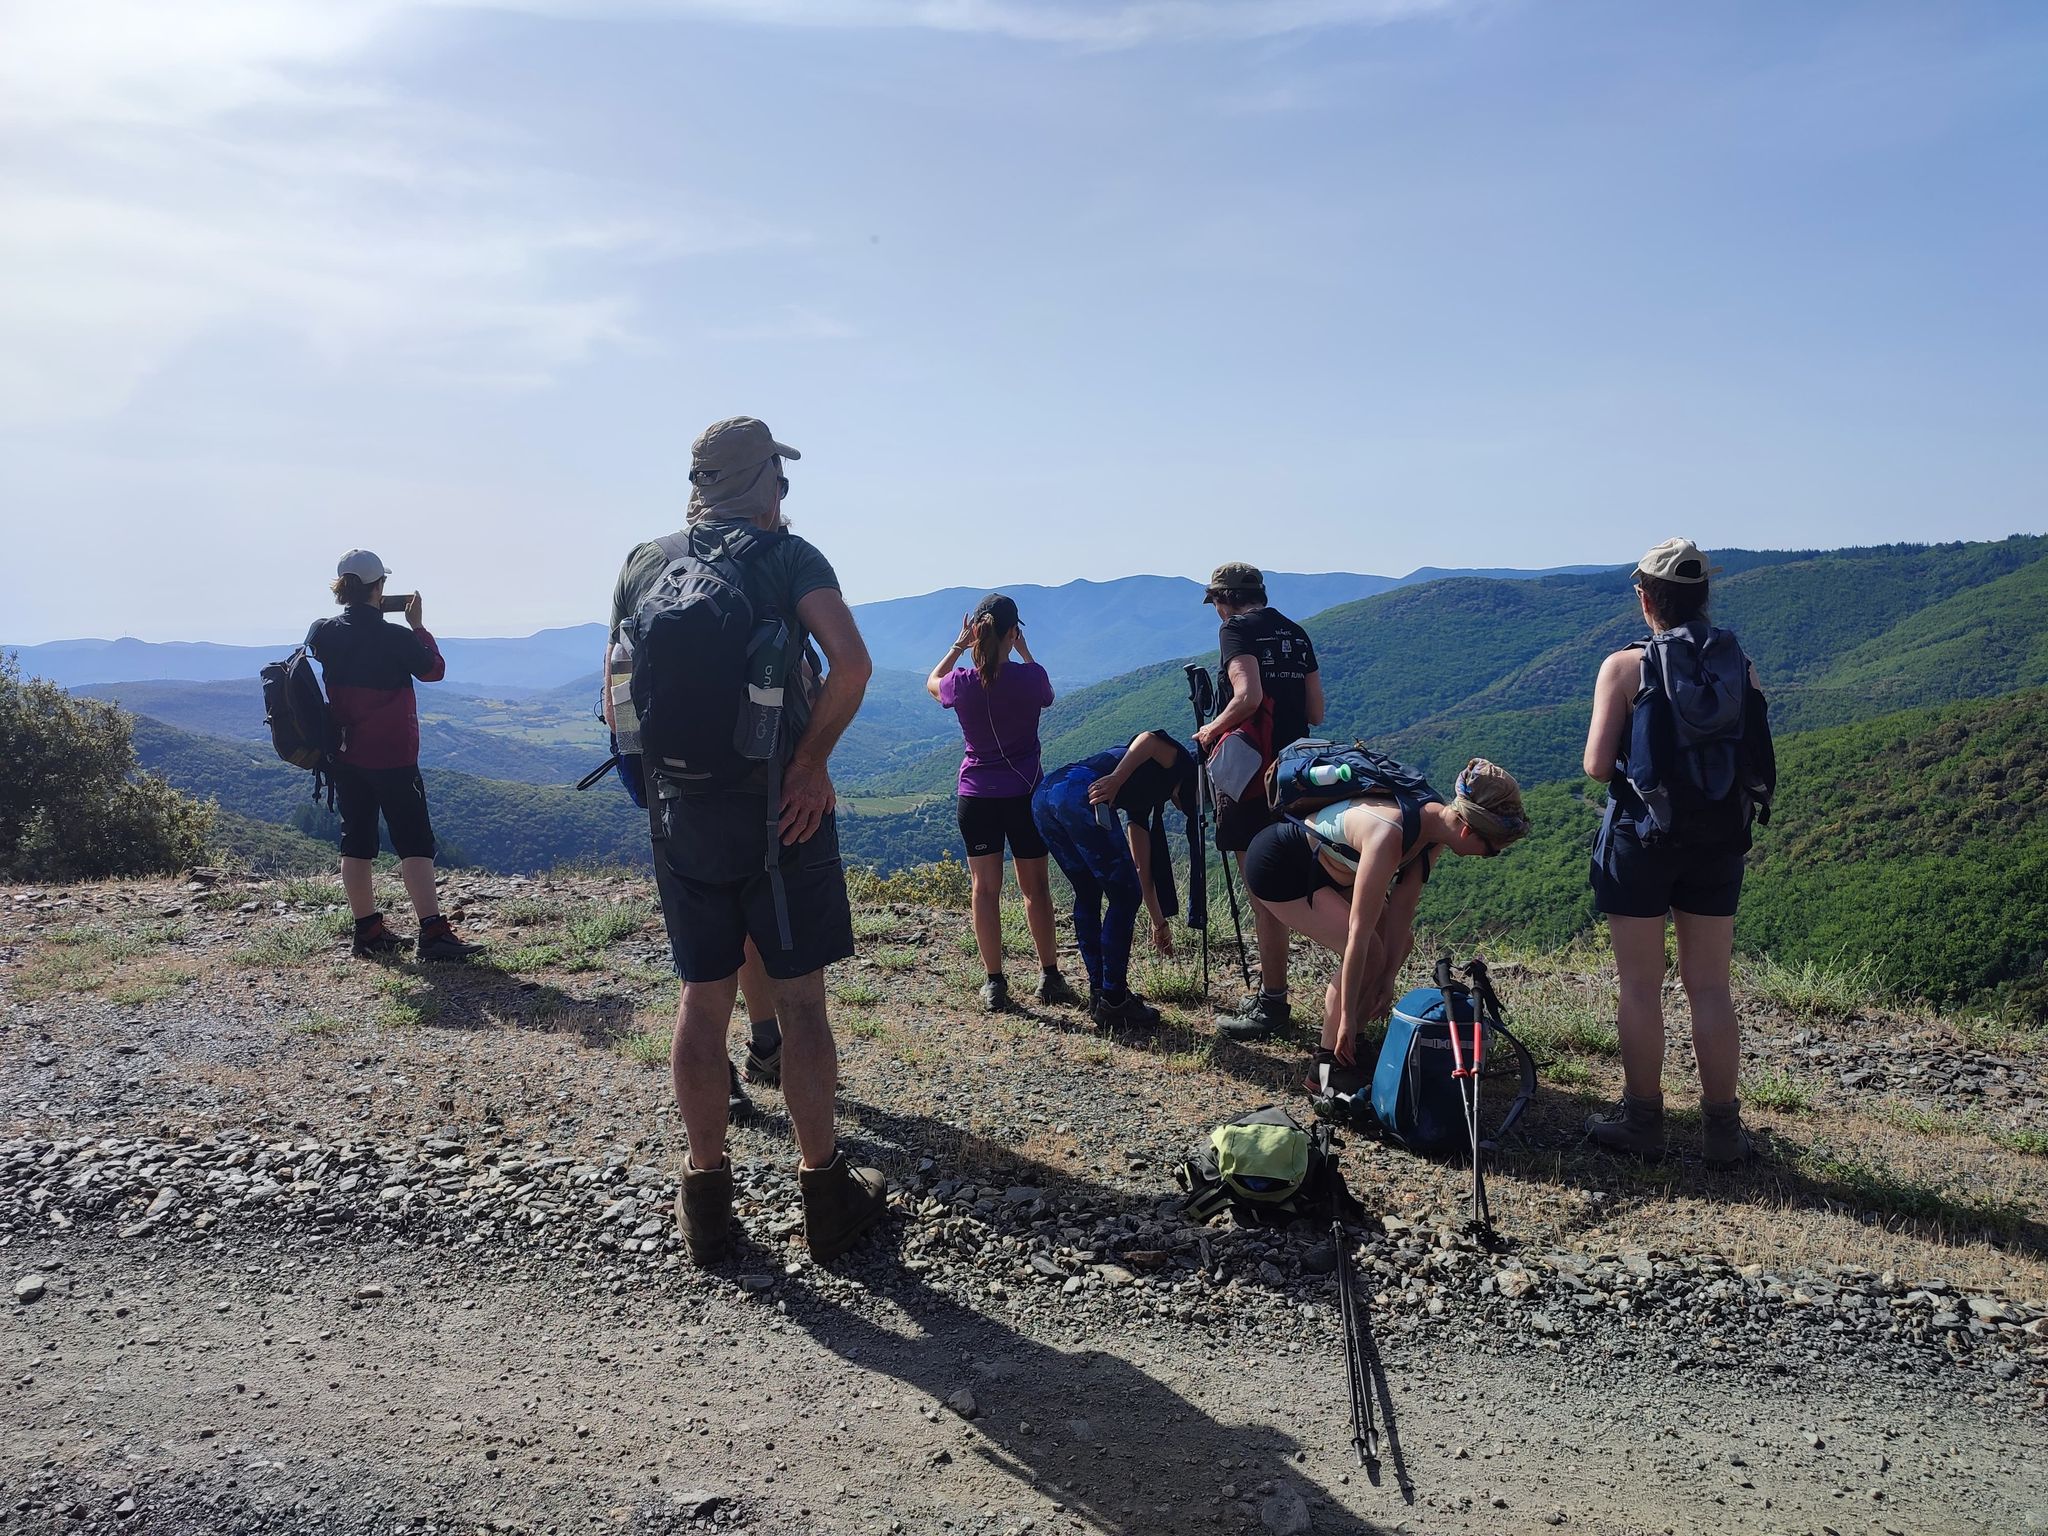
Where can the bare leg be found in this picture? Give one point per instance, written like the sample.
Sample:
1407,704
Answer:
1272,934
418,875
985,873
1639,964
1326,919
810,1066
756,990
1705,951
355,884
698,1068
1036,883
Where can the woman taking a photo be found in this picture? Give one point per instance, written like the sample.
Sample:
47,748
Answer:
1118,870
1681,737
997,702
1349,876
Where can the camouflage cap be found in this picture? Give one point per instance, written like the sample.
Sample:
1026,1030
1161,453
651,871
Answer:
1234,576
1676,560
738,442
1489,801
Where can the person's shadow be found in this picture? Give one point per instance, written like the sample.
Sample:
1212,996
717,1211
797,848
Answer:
1119,1448
1087,1428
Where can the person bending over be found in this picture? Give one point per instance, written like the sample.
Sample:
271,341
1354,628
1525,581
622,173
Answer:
997,702
1114,870
1689,871
368,664
1349,877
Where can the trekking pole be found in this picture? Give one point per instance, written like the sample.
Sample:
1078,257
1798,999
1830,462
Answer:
1244,964
1465,1068
1200,696
1365,1434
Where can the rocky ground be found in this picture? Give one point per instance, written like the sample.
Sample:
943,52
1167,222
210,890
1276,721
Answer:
300,1244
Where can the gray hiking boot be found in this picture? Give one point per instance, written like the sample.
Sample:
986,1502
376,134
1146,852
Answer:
840,1202
765,1070
1259,1017
1133,1012
1636,1127
1053,988
995,995
704,1212
1724,1143
737,1105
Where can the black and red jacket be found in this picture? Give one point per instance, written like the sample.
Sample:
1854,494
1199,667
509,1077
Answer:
369,664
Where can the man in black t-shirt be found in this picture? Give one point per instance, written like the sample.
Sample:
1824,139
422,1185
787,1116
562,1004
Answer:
1272,692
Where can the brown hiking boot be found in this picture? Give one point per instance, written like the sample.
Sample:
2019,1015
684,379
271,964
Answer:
1636,1127
1724,1142
840,1202
704,1212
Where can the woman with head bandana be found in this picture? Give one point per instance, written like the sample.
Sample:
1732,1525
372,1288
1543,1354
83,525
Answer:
1349,876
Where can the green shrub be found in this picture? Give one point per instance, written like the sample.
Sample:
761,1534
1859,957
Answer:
943,883
72,805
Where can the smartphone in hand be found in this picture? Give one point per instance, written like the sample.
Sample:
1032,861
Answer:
394,602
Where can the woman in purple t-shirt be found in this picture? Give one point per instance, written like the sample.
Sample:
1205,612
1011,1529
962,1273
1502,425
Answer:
997,702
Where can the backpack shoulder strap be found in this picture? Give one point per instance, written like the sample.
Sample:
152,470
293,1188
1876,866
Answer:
673,546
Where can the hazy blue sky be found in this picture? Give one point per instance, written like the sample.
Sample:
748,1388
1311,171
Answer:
1041,290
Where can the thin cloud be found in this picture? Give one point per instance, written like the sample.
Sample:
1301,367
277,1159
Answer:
175,172
1103,25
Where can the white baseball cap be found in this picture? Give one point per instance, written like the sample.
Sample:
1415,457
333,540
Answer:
362,565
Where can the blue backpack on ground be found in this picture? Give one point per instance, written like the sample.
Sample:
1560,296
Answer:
1415,1099
1699,763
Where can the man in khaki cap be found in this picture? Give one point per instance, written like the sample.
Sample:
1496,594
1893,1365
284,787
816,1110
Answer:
733,911
1272,693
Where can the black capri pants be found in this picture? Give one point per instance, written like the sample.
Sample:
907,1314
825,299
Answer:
361,794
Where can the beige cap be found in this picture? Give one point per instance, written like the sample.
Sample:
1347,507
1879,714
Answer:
1676,560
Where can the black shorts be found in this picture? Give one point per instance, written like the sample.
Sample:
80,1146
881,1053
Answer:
360,794
988,821
1282,865
716,894
1632,880
1239,821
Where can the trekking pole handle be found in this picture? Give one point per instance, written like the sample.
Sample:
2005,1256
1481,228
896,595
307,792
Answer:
1443,976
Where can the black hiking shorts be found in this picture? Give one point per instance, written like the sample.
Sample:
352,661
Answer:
362,794
716,893
1633,879
989,821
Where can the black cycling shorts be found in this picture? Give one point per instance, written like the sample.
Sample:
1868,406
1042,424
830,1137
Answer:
989,821
360,794
1282,865
716,893
1631,879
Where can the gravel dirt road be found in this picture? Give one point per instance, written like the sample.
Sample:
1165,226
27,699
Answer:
300,1245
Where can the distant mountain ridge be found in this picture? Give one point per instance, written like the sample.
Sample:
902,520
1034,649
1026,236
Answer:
1445,670
1083,631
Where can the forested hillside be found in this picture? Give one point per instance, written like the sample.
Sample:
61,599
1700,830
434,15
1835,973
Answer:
1504,668
1916,841
490,822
